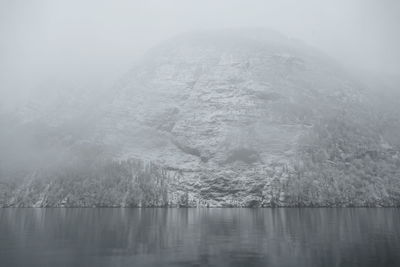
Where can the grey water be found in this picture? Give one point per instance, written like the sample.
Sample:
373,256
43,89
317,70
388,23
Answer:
200,237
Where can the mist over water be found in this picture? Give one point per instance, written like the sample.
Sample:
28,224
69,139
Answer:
139,104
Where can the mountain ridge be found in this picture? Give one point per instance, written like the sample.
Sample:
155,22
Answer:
228,118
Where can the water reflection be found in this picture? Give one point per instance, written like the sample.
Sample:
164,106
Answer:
199,237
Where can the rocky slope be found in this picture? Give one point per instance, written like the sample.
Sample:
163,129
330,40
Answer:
225,118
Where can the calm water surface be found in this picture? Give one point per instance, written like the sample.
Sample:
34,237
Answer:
199,237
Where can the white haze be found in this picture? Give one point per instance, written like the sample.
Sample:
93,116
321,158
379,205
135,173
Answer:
92,43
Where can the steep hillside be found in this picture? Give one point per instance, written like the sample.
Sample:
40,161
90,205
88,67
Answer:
229,118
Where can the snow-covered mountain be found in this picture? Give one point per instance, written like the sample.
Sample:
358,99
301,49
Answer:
200,99
224,118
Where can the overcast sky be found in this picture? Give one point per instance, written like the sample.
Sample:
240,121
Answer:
91,43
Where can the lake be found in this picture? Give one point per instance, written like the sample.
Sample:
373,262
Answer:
200,237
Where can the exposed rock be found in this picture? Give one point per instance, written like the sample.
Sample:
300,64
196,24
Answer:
229,118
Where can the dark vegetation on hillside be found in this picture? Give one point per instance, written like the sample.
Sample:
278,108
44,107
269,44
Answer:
130,183
344,163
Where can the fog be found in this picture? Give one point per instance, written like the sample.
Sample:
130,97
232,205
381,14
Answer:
92,43
249,95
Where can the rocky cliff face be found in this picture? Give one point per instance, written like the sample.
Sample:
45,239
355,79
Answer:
240,118
217,98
